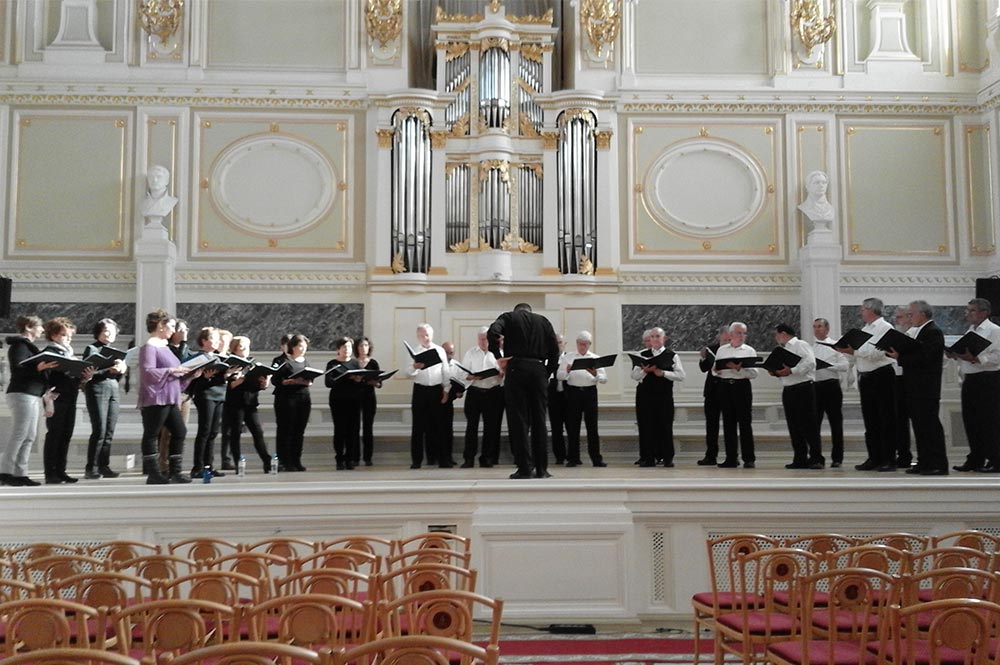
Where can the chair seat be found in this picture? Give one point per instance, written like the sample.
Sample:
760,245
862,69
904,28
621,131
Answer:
822,651
843,621
726,600
921,651
759,623
820,599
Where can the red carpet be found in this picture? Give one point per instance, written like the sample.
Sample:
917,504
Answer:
587,650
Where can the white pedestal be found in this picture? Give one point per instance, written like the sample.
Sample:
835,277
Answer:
156,261
820,260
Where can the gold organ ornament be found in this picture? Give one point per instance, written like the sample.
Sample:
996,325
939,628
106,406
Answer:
160,18
810,26
384,20
602,20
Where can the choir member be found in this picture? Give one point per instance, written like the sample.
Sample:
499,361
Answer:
345,404
60,424
483,399
102,397
431,383
736,395
710,393
581,401
208,392
369,403
654,401
829,395
240,408
292,404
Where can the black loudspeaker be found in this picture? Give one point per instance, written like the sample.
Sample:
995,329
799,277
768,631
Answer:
989,288
5,285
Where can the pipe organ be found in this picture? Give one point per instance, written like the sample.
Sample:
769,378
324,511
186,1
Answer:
411,192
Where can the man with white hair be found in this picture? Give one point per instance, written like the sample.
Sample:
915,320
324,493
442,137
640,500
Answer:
581,401
483,399
736,396
654,400
430,392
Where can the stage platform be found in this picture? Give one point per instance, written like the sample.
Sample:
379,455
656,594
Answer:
608,545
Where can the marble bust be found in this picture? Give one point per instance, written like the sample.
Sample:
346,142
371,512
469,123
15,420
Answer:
157,203
817,207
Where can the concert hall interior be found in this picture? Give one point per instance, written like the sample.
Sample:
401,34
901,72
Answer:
358,167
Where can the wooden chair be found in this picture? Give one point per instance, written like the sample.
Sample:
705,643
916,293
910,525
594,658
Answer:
43,623
382,547
287,548
724,576
158,566
259,565
399,582
430,555
116,552
217,586
433,540
875,556
960,631
202,549
946,584
250,653
747,631
363,562
48,569
330,581
440,613
312,621
977,540
845,626
14,589
908,542
821,543
171,626
950,557
418,649
103,588
70,656
38,550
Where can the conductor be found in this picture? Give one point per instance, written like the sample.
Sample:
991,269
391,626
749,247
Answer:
530,355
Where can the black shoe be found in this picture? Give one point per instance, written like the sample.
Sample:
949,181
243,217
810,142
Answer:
414,466
520,475
432,462
571,464
90,474
467,464
542,474
797,465
668,465
53,480
728,464
989,468
340,466
816,466
904,462
934,472
968,466
299,468
5,478
600,464
106,472
227,466
707,461
867,465
486,465
560,461
913,471
835,465
158,478
67,479
24,481
888,467
217,474
647,463
350,466
368,462
178,479
749,465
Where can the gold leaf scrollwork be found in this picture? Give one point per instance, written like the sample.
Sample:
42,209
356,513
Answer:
398,265
526,126
603,139
439,139
532,52
384,20
384,137
515,243
534,168
160,17
441,16
550,140
455,50
601,20
461,126
586,266
501,165
466,247
544,19
809,24
495,42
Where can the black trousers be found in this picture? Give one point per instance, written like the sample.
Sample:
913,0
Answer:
234,415
526,396
369,404
927,430
486,405
155,418
981,417
346,415
878,399
736,396
713,412
557,419
581,405
209,425
903,454
654,412
799,402
102,407
425,433
291,414
830,402
58,433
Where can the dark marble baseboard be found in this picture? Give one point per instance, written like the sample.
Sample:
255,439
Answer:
265,323
950,318
691,327
84,314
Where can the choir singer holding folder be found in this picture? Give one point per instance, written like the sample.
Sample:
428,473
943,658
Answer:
428,367
794,363
582,370
733,366
483,399
656,369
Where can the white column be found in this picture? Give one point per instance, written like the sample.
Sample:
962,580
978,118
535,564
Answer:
156,271
820,260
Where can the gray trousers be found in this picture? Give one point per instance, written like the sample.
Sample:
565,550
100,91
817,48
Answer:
25,410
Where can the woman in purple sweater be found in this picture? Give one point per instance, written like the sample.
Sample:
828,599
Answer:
161,380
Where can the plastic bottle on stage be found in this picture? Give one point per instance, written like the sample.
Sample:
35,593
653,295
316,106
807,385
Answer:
206,474
241,467
274,465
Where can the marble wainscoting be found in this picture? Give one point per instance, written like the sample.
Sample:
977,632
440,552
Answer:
691,327
265,323
950,318
83,314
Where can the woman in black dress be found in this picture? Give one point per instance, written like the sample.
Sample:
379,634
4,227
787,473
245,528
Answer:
292,404
369,404
241,406
345,404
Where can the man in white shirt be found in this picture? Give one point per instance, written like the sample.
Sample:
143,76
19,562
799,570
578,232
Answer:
483,399
736,396
581,401
430,391
829,396
981,392
876,385
654,401
799,400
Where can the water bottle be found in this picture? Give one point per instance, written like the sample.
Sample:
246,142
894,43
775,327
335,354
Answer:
274,465
241,467
206,475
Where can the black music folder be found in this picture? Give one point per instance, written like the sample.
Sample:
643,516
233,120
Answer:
596,363
481,374
852,339
893,339
780,358
663,361
745,361
971,342
429,358
70,366
258,371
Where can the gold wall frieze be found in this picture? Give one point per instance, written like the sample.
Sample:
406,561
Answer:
532,52
384,20
804,107
501,165
714,282
441,16
454,50
18,99
545,19
343,276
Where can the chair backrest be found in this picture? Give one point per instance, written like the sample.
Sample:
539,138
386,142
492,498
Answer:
202,549
950,557
313,620
821,543
977,540
48,569
908,542
434,540
944,583
441,613
776,576
351,559
259,565
171,626
43,623
875,556
428,555
422,649
847,604
382,547
288,548
70,656
103,589
116,552
329,581
250,653
724,553
39,550
403,581
14,589
958,631
158,566
217,586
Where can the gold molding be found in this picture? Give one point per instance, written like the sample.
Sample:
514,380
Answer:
384,20
160,17
439,139
603,139
495,42
601,20
454,50
545,19
532,52
441,16
974,247
809,24
385,137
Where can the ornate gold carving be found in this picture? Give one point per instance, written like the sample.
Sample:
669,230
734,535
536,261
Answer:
526,126
550,140
398,265
461,126
160,18
515,243
423,114
586,266
384,20
272,242
495,42
532,52
342,186
440,16
703,132
454,50
274,128
544,19
488,165
495,6
571,114
638,189
810,26
603,139
706,245
770,189
341,126
466,247
601,19
772,248
119,123
942,249
638,130
204,183
206,124
384,137
535,168
439,139
855,248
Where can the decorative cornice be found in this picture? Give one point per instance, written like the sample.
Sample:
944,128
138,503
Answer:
641,281
845,107
232,279
891,281
72,279
211,101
